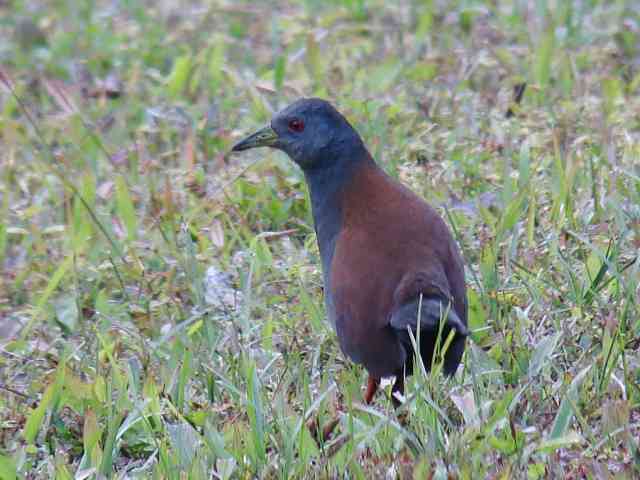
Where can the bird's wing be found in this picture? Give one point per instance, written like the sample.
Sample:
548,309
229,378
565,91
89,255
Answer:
436,303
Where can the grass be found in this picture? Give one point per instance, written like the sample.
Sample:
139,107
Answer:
160,302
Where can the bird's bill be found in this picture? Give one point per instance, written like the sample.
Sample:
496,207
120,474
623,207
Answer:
267,137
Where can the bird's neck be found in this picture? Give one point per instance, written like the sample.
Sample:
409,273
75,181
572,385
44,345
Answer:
326,187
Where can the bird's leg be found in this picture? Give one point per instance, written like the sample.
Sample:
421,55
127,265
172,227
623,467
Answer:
398,386
372,388
313,424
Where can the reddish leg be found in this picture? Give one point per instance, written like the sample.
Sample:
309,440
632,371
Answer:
372,388
313,425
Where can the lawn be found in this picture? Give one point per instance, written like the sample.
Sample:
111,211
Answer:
161,310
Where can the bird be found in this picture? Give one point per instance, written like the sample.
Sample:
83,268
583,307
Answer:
390,265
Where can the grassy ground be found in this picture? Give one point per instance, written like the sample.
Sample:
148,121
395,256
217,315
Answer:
161,304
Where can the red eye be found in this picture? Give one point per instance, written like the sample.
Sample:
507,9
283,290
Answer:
296,125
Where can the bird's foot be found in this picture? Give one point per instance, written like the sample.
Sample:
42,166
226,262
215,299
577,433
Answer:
321,435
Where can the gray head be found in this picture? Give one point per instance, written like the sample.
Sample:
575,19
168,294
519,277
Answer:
312,132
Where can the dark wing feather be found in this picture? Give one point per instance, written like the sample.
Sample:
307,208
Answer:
436,304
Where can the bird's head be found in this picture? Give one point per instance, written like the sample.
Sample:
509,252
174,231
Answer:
312,132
